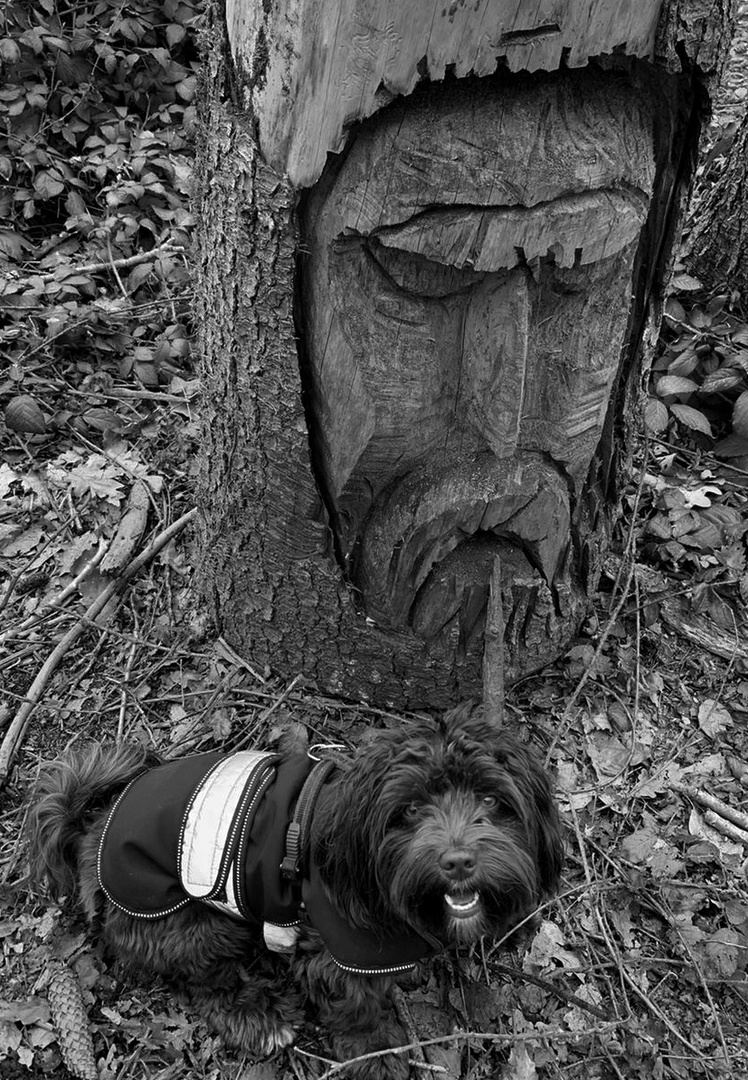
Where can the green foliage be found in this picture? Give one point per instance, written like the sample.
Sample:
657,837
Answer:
700,378
96,131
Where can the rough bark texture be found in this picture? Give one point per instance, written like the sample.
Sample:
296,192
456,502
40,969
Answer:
272,548
718,246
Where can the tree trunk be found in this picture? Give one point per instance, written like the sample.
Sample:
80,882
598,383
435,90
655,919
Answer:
434,240
718,245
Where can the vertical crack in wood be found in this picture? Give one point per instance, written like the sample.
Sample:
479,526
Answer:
493,650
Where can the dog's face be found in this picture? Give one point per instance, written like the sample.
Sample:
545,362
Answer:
452,831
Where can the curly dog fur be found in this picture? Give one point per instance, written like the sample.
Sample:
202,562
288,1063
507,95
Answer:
447,829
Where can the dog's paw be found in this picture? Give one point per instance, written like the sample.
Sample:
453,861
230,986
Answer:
276,1038
259,1036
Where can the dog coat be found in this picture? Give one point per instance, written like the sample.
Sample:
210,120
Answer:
214,828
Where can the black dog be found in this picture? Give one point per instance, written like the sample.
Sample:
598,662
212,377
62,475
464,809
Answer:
356,868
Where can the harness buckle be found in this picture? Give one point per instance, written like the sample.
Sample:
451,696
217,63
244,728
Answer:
291,863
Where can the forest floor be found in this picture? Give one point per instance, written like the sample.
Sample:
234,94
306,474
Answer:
638,968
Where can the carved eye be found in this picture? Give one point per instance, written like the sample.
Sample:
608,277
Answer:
418,276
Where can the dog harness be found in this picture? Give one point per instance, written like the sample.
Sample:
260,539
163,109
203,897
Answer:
230,831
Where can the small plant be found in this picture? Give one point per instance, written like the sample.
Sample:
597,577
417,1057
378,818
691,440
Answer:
700,379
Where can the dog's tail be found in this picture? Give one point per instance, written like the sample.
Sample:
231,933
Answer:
68,795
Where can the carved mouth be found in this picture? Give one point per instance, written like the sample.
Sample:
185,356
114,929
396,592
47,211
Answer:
440,517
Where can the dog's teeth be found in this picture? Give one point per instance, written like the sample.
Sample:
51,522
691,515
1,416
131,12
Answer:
462,906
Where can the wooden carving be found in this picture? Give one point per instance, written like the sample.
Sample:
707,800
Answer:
432,328
465,304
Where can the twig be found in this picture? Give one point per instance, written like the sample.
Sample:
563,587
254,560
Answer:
557,991
733,832
405,1017
737,817
18,726
16,577
57,601
131,260
125,683
552,1035
493,650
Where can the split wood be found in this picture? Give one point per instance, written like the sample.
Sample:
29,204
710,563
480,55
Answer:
493,650
17,729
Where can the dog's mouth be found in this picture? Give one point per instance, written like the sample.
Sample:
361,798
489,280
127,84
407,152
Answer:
463,905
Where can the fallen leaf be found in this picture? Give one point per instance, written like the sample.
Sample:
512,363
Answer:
23,414
713,717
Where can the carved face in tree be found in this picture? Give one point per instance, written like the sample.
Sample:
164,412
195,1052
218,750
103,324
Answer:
465,295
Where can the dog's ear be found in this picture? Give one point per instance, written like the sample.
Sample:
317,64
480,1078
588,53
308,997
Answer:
549,841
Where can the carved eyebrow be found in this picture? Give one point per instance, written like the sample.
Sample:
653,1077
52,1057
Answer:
574,228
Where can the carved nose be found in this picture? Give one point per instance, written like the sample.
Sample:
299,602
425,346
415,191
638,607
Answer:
457,863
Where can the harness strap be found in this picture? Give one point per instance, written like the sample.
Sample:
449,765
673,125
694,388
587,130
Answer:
291,867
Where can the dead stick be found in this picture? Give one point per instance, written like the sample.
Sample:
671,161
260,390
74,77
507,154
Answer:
113,264
737,817
405,1017
18,726
726,827
552,1035
493,650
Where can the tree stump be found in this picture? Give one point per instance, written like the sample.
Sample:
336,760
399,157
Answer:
434,244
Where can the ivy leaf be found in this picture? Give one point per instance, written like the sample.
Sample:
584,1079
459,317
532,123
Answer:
675,310
721,380
685,283
692,418
685,362
48,183
675,384
12,245
655,416
174,34
740,415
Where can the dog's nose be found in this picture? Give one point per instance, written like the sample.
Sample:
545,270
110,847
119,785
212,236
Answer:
457,863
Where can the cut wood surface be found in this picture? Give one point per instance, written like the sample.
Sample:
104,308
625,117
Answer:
433,356
310,68
465,294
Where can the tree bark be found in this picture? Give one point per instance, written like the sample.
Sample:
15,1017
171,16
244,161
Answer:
405,378
718,245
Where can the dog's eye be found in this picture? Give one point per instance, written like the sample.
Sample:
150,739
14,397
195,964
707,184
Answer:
490,802
412,811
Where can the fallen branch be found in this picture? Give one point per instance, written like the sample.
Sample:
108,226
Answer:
732,832
18,726
722,809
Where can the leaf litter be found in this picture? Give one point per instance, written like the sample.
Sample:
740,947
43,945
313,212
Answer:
638,968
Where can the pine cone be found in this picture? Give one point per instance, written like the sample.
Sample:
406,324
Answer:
70,1020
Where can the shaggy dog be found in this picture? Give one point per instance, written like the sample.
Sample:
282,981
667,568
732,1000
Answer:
355,868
